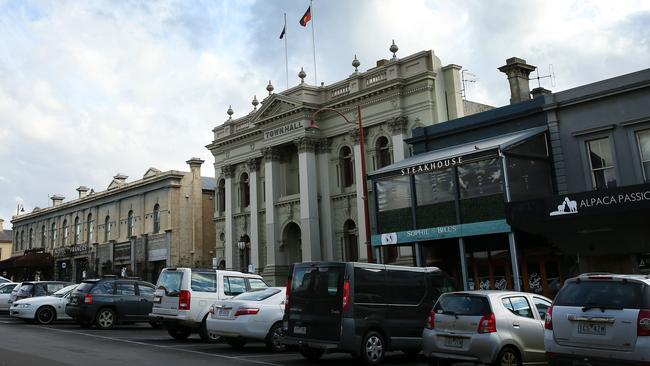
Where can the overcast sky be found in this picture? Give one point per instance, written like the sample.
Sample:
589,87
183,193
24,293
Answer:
92,88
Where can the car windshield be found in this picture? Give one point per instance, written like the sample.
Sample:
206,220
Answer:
463,304
25,289
64,291
602,294
170,281
84,287
257,295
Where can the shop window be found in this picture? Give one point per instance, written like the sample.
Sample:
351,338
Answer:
347,168
221,197
383,152
435,195
601,163
53,235
129,224
244,191
394,204
643,139
480,186
89,232
107,228
156,218
64,238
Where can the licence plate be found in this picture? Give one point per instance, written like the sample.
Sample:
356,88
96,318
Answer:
454,342
299,330
157,299
592,328
223,313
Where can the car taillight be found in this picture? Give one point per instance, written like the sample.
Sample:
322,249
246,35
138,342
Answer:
184,300
487,324
346,296
431,320
246,311
288,294
211,311
548,321
88,299
643,323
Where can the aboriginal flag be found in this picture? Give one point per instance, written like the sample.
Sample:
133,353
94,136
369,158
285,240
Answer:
306,18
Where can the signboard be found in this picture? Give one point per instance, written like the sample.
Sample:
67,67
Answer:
442,232
71,250
432,166
283,130
122,252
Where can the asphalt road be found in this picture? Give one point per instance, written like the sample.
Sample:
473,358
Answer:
65,343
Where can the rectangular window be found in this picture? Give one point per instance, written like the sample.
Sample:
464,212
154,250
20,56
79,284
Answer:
601,163
234,286
435,194
204,282
394,204
480,184
643,139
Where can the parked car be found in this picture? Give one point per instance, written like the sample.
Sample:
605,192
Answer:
184,295
4,280
5,294
600,320
111,300
254,315
489,327
43,309
360,308
36,288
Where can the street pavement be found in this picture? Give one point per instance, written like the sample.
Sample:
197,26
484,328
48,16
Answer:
65,343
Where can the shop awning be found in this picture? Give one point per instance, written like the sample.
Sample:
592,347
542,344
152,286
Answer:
35,260
501,142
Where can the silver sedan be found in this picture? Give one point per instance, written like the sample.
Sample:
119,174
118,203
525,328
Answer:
255,315
489,327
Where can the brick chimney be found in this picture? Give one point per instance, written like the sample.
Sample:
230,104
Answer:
83,191
57,200
518,70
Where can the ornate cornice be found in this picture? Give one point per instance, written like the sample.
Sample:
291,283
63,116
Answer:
228,170
306,144
323,146
398,124
253,164
271,153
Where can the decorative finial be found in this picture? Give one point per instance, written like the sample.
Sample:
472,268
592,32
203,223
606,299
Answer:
230,112
270,88
302,75
255,102
393,48
356,64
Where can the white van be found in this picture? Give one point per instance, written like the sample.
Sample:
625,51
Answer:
184,295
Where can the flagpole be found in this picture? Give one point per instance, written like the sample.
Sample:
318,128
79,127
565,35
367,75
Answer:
313,42
286,54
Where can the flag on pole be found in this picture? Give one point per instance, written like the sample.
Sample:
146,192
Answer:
284,30
306,18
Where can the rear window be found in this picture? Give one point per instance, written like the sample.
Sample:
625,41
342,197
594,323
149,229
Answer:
462,304
103,288
316,282
54,287
84,287
170,281
204,282
608,294
25,289
258,295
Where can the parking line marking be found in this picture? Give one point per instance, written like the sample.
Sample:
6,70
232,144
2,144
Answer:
165,347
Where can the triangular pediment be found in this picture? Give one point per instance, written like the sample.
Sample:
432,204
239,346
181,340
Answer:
275,105
151,172
114,184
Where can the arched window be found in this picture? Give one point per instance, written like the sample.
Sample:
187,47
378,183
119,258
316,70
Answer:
244,191
31,237
383,152
89,232
53,235
107,228
43,237
347,169
64,238
156,218
129,224
221,197
77,230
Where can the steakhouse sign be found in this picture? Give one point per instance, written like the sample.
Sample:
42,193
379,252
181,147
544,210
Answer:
432,166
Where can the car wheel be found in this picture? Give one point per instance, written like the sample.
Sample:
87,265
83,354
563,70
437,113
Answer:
508,357
311,353
274,338
236,343
179,333
204,334
373,348
105,319
45,315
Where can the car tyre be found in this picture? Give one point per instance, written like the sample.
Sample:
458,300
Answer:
373,348
311,353
236,343
179,333
45,315
508,356
274,338
105,319
205,334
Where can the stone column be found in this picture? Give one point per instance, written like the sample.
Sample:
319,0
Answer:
397,126
228,172
271,178
358,178
328,249
310,229
253,166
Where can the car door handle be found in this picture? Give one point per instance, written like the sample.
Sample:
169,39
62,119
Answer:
515,324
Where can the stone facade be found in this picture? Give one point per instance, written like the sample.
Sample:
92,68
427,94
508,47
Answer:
286,189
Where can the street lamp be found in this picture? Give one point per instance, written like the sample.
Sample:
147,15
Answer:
242,243
364,179
242,254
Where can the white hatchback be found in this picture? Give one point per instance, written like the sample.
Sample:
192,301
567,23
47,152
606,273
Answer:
600,320
255,315
43,309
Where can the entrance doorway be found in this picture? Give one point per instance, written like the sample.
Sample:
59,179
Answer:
81,269
350,242
292,243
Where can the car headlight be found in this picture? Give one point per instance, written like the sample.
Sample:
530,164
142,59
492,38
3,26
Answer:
23,306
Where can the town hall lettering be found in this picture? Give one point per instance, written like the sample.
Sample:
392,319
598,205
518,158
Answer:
279,131
432,166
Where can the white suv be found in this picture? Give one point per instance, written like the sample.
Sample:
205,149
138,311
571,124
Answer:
600,319
184,295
